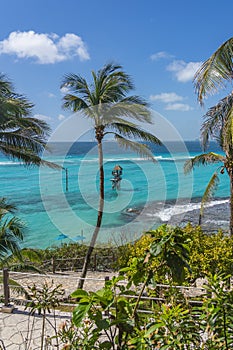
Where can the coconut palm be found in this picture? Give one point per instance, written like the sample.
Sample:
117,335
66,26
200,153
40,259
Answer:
217,125
215,71
11,230
25,260
11,255
218,121
22,137
106,103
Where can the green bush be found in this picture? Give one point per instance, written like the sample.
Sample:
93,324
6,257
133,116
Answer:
208,252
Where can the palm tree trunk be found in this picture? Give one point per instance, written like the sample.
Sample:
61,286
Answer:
231,201
99,218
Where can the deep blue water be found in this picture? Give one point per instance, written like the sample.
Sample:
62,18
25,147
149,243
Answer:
150,193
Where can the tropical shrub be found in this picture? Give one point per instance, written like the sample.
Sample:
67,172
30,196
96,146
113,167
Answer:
121,321
206,253
71,256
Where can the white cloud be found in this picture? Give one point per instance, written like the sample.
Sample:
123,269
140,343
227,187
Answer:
61,117
166,97
51,95
43,117
45,48
184,71
159,55
178,107
72,44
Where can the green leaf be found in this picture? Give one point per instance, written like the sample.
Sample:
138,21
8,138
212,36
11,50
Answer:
80,313
153,328
106,345
102,324
79,293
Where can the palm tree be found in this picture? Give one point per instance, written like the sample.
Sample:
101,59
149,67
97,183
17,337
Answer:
106,103
22,137
215,71
11,230
11,235
218,121
25,260
218,126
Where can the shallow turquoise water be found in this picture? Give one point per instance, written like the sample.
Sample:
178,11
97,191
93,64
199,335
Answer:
146,198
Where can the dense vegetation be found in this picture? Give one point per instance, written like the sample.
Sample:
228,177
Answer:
122,315
206,253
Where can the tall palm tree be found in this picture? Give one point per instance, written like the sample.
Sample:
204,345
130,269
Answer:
24,138
106,103
217,126
21,136
218,121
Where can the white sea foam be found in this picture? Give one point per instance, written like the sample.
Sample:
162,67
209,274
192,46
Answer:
10,163
167,213
173,159
137,159
114,160
218,222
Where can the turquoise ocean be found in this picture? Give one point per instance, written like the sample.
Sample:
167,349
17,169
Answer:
61,205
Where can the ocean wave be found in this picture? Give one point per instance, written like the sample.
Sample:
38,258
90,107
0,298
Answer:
175,159
10,163
117,159
217,222
167,213
95,160
138,159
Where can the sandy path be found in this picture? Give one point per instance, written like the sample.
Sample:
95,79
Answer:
69,281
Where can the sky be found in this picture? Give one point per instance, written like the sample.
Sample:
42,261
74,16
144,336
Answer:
160,44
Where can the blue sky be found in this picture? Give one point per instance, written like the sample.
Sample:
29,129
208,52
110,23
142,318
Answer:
159,43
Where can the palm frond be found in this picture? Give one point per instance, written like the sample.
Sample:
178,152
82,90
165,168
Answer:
14,285
209,191
227,132
141,149
110,84
105,100
215,121
76,84
23,267
13,105
132,130
74,103
202,159
19,139
131,107
214,71
13,226
31,254
27,156
11,234
21,136
5,85
6,207
113,83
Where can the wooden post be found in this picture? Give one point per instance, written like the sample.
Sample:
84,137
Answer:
66,179
106,312
6,286
53,264
95,261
